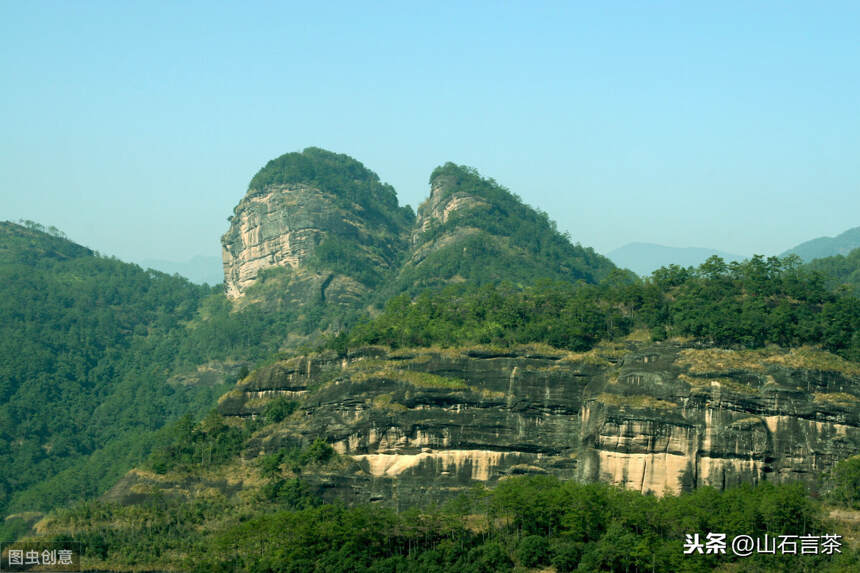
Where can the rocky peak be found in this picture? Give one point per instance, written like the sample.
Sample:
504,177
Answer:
278,226
314,211
445,199
324,213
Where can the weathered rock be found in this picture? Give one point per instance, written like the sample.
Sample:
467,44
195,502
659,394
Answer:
278,227
438,208
302,202
284,224
653,417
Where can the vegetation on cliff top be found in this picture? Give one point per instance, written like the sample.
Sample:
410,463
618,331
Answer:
338,174
495,237
749,304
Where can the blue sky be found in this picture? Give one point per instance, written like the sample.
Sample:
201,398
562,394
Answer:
135,127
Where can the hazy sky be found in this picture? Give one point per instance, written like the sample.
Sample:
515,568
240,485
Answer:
135,127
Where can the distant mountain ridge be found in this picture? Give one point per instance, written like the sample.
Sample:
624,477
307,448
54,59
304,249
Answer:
198,269
841,244
839,270
645,258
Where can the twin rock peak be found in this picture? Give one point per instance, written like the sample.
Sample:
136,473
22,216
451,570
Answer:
329,223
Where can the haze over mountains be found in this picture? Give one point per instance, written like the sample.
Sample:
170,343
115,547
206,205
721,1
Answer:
841,244
645,258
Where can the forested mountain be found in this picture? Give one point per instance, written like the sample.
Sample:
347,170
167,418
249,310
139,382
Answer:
839,270
369,360
473,229
319,236
374,458
821,247
97,354
314,237
86,346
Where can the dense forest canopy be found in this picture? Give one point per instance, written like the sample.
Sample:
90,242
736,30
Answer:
93,355
750,304
334,173
839,270
84,352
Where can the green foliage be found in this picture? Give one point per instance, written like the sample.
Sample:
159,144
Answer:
559,314
319,452
566,556
533,551
338,174
845,482
279,409
347,258
759,302
185,445
531,520
749,304
86,345
840,271
498,237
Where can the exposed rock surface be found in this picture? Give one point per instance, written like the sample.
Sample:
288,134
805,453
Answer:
469,228
441,204
302,202
278,227
282,226
654,417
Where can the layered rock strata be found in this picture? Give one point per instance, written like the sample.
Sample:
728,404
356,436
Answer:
282,226
422,425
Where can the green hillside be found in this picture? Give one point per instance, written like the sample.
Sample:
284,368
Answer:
839,270
747,304
85,350
96,355
486,234
822,247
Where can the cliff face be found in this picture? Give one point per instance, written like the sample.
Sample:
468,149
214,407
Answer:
317,211
323,216
423,424
280,226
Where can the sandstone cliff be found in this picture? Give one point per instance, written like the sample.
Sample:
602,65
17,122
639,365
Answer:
315,212
424,424
319,212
